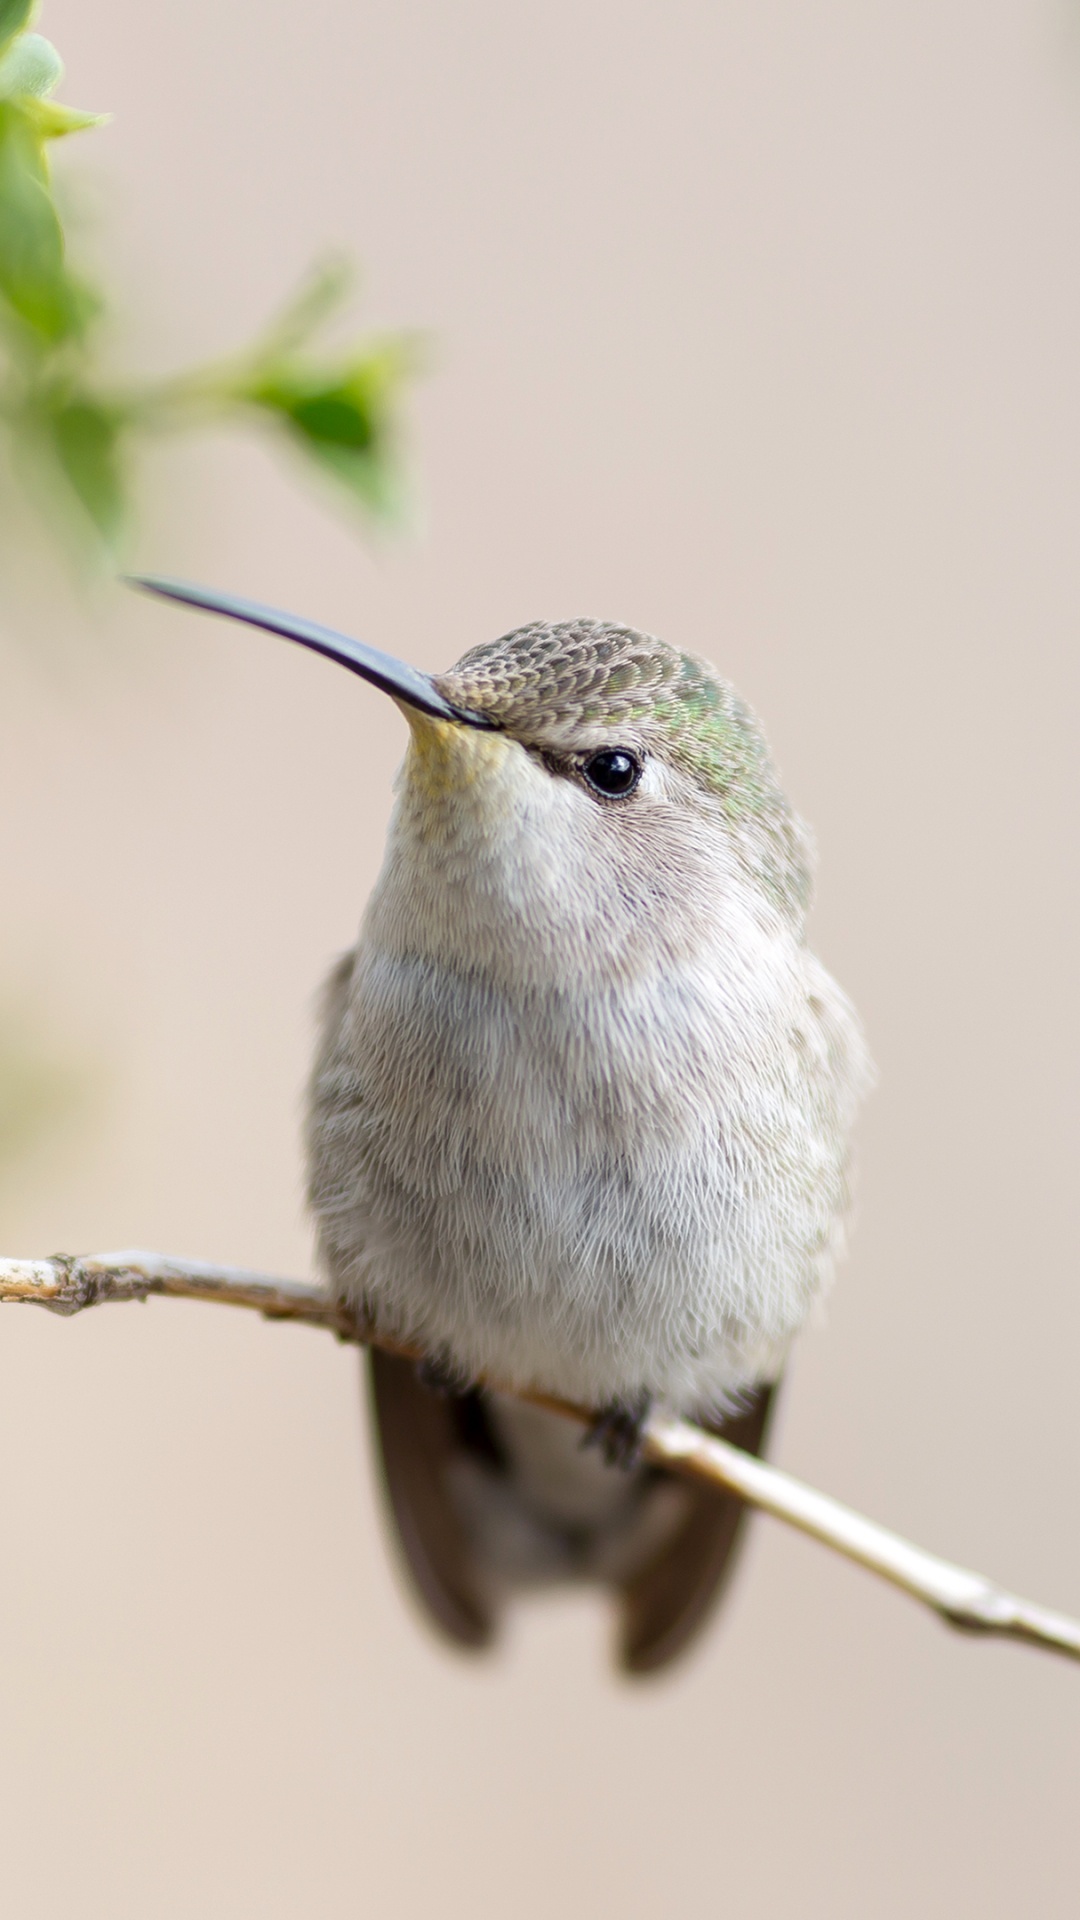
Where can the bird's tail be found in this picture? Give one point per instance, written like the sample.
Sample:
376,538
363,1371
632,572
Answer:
489,1495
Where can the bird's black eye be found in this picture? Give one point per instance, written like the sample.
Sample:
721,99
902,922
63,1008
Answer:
615,772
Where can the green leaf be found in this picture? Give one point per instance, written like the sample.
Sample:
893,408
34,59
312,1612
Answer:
28,73
33,275
50,120
333,416
15,15
85,438
31,66
343,417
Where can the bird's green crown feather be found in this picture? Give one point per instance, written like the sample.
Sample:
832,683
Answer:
548,679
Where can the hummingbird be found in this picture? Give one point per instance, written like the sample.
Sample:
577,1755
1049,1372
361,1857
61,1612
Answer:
579,1116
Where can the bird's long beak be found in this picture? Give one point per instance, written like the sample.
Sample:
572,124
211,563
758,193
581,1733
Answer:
404,683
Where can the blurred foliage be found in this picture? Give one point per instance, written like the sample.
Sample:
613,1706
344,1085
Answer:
37,1091
72,432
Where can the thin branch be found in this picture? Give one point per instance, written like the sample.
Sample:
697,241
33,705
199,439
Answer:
963,1599
66,1285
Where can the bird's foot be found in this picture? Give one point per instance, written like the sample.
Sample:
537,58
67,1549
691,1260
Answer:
617,1429
443,1375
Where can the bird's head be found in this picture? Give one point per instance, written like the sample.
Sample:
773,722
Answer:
596,743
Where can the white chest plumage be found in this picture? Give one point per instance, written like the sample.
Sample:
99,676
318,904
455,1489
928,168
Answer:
602,1179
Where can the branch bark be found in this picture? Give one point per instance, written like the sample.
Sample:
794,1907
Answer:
962,1599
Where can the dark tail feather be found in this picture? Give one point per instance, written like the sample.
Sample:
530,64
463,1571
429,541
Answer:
418,1433
666,1602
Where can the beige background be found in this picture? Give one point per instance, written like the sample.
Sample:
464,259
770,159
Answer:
759,326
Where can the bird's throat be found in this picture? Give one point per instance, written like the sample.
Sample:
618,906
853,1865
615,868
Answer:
447,761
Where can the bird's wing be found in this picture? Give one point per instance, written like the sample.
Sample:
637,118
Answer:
669,1599
419,1435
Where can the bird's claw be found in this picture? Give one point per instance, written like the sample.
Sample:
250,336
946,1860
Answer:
617,1429
443,1375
